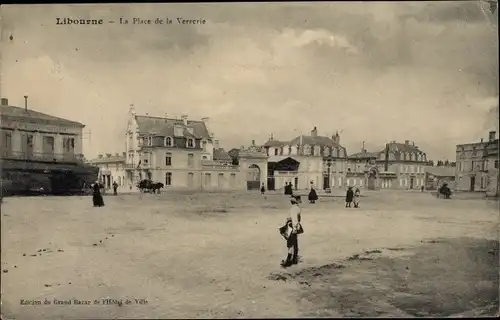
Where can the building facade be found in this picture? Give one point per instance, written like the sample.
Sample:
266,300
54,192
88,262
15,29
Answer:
362,172
397,166
435,177
477,165
305,161
182,154
111,170
41,151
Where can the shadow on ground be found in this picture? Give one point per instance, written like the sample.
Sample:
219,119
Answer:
439,278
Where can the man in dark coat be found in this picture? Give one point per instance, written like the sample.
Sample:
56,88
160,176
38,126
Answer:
349,197
287,189
115,187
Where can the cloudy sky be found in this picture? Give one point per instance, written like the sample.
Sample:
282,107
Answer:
426,72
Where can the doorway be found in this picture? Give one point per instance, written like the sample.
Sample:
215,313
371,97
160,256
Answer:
326,183
411,183
296,182
472,183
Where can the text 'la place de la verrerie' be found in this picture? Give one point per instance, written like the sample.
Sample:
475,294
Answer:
130,21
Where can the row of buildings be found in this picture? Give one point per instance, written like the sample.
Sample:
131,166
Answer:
183,154
40,151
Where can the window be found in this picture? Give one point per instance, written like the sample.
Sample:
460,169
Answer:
204,143
168,141
190,160
208,179
168,159
190,143
496,164
145,161
190,179
168,179
150,141
233,179
275,151
48,144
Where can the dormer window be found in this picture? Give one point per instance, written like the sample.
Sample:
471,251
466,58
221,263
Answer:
168,141
150,141
190,143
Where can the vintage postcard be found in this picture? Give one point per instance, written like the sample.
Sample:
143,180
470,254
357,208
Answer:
249,160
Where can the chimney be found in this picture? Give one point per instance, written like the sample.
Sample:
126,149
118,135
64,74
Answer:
492,135
253,142
336,137
314,132
184,119
407,142
26,103
216,144
5,102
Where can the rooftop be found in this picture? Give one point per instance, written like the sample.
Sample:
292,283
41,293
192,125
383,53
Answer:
35,116
221,155
165,126
108,158
440,171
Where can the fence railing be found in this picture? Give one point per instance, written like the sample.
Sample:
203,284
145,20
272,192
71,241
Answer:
40,156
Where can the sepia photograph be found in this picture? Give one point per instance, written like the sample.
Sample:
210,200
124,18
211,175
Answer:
330,159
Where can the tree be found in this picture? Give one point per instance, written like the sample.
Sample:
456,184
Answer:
446,163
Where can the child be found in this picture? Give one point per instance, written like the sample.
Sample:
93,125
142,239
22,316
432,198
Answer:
357,195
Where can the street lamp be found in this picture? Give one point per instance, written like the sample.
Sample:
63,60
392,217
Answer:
329,161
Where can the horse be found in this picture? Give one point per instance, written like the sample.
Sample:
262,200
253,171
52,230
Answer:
147,185
444,190
156,187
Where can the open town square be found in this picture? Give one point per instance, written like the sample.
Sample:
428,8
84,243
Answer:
249,160
216,255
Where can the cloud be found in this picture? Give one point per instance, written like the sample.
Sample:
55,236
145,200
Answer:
378,71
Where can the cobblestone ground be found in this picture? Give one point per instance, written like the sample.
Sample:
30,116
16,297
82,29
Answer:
217,255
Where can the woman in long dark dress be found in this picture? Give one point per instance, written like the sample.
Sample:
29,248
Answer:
313,196
96,195
349,197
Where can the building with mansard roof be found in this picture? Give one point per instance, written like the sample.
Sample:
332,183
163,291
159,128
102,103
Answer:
397,166
182,154
305,161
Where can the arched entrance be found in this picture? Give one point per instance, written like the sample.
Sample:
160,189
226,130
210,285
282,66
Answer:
253,177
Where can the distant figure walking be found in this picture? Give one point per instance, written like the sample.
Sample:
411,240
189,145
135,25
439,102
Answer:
96,195
422,188
288,189
290,232
262,189
115,187
313,196
349,197
357,195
